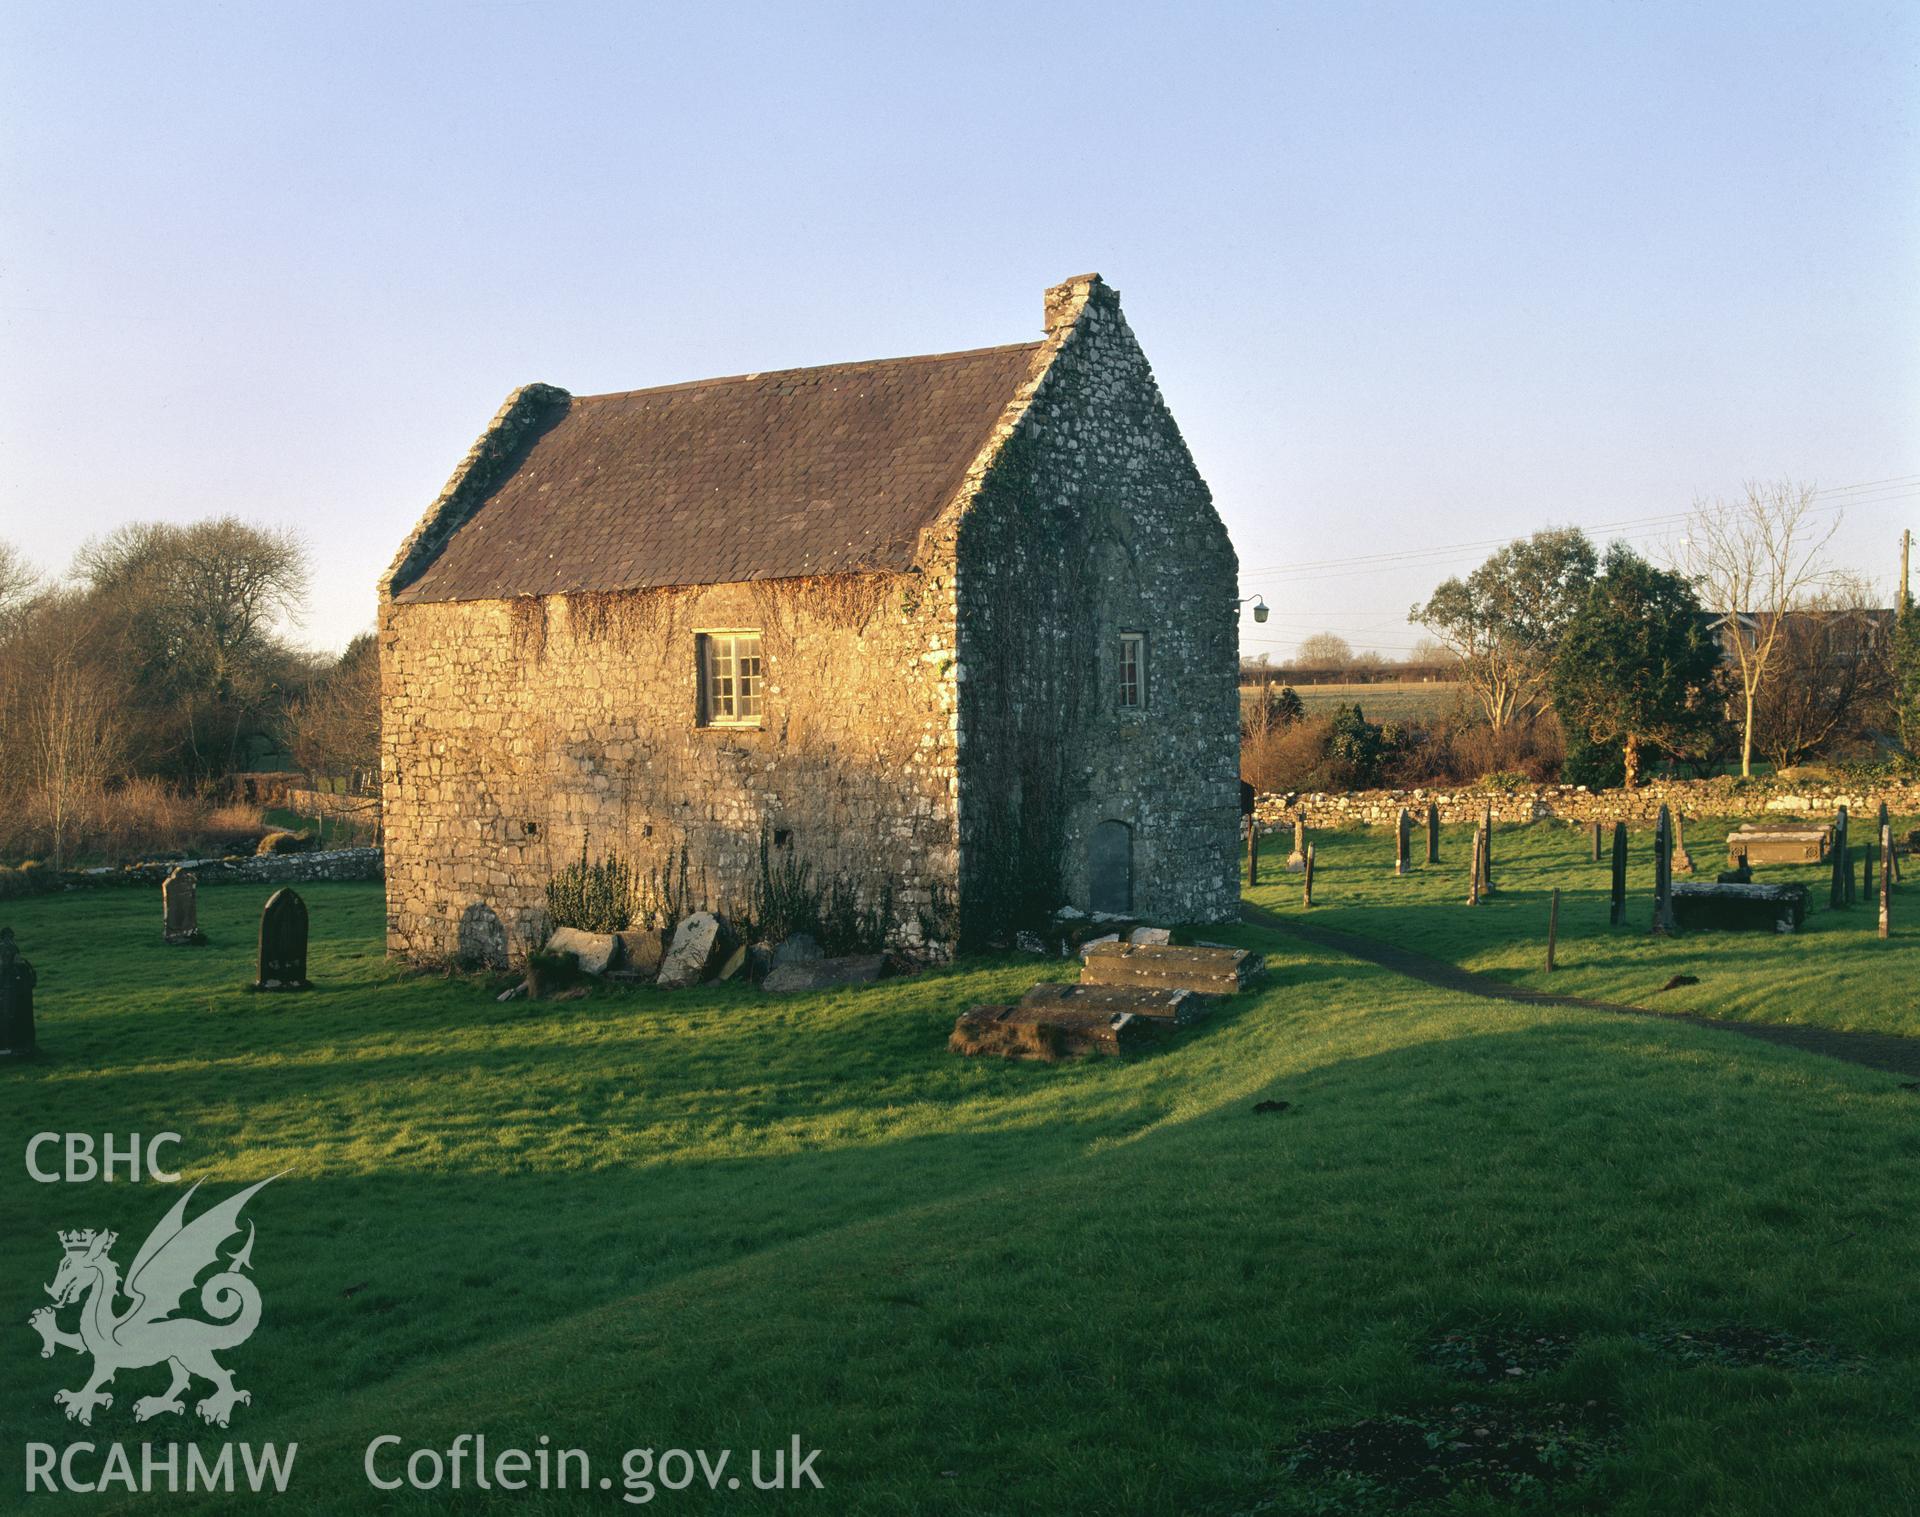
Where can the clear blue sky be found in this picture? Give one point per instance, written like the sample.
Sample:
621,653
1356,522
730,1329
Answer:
1410,274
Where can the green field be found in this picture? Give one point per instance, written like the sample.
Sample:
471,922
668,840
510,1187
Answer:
712,1220
1393,701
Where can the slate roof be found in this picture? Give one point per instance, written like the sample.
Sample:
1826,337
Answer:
760,476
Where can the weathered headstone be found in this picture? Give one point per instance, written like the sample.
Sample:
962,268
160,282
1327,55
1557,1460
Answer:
1306,895
594,952
283,942
1837,886
1486,851
701,943
1253,856
1663,874
1433,832
1553,929
1297,860
1886,826
1617,909
821,974
17,980
1473,871
1596,842
1402,835
180,910
1843,840
1887,868
1681,863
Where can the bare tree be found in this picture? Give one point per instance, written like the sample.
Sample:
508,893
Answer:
1324,651
335,728
1752,562
1830,681
18,582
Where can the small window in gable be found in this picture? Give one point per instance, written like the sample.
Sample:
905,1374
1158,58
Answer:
1133,670
730,676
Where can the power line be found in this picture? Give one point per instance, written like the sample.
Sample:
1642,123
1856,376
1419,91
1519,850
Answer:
1864,493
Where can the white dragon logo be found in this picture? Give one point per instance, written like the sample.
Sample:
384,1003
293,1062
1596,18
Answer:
146,1332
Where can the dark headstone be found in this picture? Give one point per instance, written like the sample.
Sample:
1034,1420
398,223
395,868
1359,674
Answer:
1837,882
283,943
1433,833
1402,834
1663,922
1596,842
1617,908
17,980
1889,871
180,910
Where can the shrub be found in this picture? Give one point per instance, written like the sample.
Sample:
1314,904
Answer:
281,842
1356,748
784,899
593,897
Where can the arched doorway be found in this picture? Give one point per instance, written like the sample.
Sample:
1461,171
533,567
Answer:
1110,868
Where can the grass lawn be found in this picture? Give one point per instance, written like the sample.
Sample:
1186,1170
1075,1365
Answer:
714,1220
1836,972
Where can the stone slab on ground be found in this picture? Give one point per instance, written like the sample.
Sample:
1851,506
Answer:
1800,845
1740,908
594,952
1164,1007
1046,1033
700,945
821,974
1210,971
1160,935
642,949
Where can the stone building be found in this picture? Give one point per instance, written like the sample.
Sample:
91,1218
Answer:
957,630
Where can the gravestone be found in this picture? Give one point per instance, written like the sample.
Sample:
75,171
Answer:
1473,870
701,943
1886,826
1486,851
1663,874
1888,869
1596,842
180,910
1433,833
1843,840
1402,832
17,980
1617,908
1297,860
1681,863
283,942
1837,887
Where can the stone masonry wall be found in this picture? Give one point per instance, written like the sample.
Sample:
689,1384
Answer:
516,731
1723,797
1093,521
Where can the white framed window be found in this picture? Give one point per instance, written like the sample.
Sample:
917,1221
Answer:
1133,670
731,678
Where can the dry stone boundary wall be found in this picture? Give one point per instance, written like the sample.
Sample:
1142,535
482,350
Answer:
1577,804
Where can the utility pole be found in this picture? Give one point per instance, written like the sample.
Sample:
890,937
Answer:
1906,553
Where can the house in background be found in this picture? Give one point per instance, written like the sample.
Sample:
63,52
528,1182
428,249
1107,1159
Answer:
957,630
